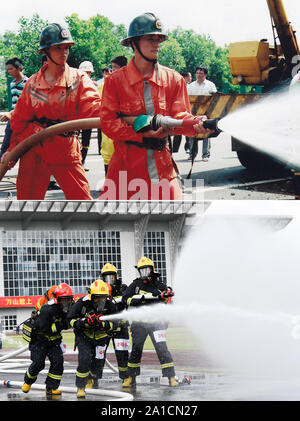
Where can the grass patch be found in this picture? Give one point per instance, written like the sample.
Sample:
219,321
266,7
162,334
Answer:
178,339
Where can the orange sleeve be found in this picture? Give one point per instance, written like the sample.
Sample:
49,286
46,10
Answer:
111,124
89,99
41,301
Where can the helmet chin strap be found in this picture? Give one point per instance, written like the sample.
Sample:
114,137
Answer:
48,55
150,60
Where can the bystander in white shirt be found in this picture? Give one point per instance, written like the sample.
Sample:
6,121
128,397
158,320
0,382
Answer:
205,88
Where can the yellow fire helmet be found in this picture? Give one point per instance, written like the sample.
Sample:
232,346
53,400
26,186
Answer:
144,262
98,287
109,269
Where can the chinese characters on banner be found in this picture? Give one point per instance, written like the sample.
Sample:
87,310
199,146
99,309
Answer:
24,301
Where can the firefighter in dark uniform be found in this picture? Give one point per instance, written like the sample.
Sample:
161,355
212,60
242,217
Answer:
47,340
109,274
91,334
137,293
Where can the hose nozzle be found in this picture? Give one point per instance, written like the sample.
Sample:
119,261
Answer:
145,122
212,124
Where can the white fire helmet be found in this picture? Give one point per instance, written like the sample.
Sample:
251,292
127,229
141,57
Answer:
86,66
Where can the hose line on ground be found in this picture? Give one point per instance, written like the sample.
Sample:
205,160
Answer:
11,365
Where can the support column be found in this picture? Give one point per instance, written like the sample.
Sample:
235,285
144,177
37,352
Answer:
140,227
175,230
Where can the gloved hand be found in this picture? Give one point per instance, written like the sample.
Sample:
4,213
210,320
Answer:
167,295
91,320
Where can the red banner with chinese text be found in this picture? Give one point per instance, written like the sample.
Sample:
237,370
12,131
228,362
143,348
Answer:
24,301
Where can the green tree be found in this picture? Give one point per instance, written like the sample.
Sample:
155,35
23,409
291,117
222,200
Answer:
170,55
97,40
26,43
202,50
220,72
196,49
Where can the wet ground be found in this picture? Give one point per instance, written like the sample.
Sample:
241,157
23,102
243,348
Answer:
150,385
208,384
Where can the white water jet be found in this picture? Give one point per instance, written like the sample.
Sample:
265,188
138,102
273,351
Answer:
239,282
271,125
11,340
147,313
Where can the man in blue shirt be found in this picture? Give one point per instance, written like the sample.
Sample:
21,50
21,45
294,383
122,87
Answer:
14,69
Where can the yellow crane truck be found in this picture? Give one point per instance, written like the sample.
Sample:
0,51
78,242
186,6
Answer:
256,64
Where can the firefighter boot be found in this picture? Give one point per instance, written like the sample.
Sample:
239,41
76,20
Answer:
90,384
80,393
52,392
173,382
129,382
26,387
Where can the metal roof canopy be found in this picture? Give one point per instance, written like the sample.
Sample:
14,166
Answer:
95,211
101,212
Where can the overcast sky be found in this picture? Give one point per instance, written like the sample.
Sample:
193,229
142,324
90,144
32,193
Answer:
224,20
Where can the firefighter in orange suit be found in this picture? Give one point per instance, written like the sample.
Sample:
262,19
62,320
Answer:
143,87
55,94
46,297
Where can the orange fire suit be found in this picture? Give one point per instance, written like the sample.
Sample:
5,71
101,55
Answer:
73,97
128,92
45,298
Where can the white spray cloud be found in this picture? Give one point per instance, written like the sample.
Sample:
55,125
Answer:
239,283
270,125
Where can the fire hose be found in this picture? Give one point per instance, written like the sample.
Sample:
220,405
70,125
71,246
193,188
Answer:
31,141
164,295
11,365
140,124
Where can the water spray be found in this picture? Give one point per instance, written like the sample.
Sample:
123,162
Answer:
247,295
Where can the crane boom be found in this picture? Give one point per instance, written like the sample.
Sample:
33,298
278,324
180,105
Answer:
285,31
258,63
